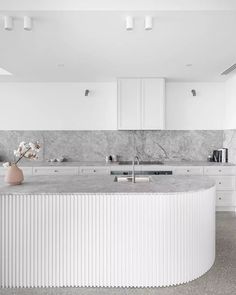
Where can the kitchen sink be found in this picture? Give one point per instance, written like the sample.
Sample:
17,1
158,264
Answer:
138,179
142,163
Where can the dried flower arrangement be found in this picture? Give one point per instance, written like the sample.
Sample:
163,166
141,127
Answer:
25,150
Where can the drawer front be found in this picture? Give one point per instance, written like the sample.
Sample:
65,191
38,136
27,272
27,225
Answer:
94,170
188,171
225,199
220,170
224,183
26,170
55,171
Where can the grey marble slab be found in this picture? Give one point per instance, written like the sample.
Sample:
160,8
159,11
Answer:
229,141
106,184
96,145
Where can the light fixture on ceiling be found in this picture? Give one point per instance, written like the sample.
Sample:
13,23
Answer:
229,70
27,23
189,65
8,23
148,23
129,23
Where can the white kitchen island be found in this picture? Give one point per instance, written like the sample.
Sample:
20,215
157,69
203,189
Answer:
91,231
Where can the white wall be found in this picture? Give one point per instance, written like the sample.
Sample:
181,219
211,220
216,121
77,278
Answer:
230,113
57,106
63,106
204,111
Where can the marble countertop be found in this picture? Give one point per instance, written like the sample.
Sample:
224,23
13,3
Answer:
102,164
106,184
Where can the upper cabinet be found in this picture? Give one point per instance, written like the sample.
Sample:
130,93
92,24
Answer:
141,104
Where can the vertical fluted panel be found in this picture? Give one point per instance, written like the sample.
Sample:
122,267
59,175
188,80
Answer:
106,239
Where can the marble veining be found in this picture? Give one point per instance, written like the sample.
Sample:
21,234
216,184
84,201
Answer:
106,184
95,145
229,141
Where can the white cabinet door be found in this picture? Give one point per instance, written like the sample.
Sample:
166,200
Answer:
54,170
129,104
153,103
94,170
227,198
188,170
224,183
141,103
220,170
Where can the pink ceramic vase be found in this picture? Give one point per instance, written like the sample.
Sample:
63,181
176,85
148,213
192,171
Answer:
14,175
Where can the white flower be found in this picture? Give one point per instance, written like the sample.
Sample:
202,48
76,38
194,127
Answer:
34,146
22,144
6,164
17,153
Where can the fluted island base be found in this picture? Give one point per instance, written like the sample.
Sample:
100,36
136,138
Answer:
122,240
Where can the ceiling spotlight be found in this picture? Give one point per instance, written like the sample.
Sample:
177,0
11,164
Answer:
148,23
129,23
8,23
27,23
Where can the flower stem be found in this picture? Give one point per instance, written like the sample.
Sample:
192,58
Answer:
22,156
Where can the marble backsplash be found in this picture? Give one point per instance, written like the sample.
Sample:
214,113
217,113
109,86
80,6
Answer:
95,145
229,141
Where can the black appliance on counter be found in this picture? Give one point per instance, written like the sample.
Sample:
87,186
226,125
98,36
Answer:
220,155
154,172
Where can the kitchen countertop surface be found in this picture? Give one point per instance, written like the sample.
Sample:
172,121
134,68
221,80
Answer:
102,164
105,184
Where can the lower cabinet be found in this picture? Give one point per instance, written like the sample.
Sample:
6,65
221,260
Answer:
188,170
224,183
94,170
225,199
55,170
225,180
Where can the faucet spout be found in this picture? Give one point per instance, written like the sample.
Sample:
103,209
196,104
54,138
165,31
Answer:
135,159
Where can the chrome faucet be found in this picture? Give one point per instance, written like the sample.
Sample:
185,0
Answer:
135,159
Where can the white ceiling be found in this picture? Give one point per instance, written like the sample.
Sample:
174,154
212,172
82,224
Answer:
118,5
94,46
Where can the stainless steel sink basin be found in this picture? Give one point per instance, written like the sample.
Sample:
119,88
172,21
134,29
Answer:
138,179
142,163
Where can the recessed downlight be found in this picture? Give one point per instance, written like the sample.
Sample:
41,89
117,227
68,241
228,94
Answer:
189,65
4,72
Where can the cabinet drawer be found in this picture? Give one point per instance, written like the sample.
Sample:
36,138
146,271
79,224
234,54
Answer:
224,183
188,171
220,170
26,170
225,198
55,171
94,170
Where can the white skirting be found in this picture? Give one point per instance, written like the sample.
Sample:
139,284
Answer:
141,240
